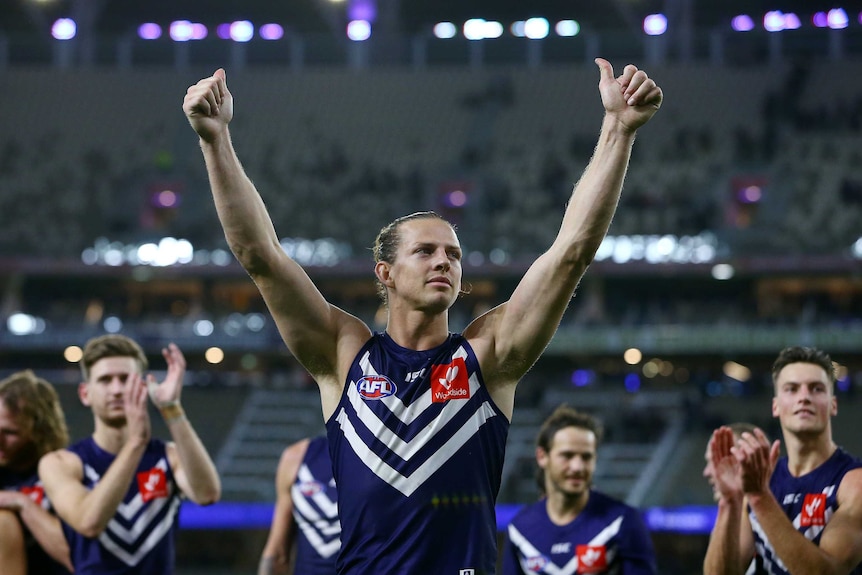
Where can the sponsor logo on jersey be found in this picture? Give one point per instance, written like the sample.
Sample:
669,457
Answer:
591,558
35,492
309,488
152,484
450,381
565,547
536,564
813,510
375,387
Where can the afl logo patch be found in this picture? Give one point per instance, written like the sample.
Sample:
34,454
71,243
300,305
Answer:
309,488
375,387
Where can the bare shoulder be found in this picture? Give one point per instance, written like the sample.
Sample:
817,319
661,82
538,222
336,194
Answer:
850,490
291,457
60,461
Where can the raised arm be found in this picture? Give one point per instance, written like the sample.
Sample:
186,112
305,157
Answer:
88,511
731,544
518,331
192,466
278,552
314,331
840,548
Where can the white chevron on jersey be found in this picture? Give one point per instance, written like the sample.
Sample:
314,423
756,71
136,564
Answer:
327,505
765,549
408,484
129,535
132,559
528,551
407,414
313,525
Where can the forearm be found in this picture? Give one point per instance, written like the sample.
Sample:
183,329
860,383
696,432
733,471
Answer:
202,479
241,211
96,509
47,531
801,556
724,555
594,199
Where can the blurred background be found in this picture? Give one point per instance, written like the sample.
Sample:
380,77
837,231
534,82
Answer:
739,231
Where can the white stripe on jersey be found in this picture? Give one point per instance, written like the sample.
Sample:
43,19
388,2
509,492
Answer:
408,484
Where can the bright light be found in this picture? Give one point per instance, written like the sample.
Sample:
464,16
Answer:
73,354
150,31
655,24
479,29
773,21
837,19
64,29
223,31
25,324
271,32
203,327
742,23
112,324
820,20
632,356
536,28
736,371
517,29
359,30
567,28
857,248
445,30
791,21
199,31
214,355
181,31
722,271
241,31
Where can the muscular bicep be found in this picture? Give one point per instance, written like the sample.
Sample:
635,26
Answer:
842,536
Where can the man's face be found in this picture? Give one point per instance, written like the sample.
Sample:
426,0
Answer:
104,391
571,462
804,402
17,451
427,267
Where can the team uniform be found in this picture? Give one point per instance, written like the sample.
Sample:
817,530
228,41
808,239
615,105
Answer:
809,501
607,537
38,562
139,540
417,448
315,511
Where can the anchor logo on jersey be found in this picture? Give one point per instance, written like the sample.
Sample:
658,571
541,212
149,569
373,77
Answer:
152,484
450,381
592,558
813,510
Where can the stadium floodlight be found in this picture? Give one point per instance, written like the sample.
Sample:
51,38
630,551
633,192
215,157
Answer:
518,29
481,29
359,30
742,23
837,19
791,21
655,24
199,31
181,31
820,20
64,29
152,31
271,31
567,28
241,31
536,28
773,21
445,30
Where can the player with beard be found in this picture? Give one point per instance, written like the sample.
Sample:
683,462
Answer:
804,511
575,528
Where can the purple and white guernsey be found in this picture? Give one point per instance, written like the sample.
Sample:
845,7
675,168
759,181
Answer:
417,448
139,539
315,511
809,501
608,537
